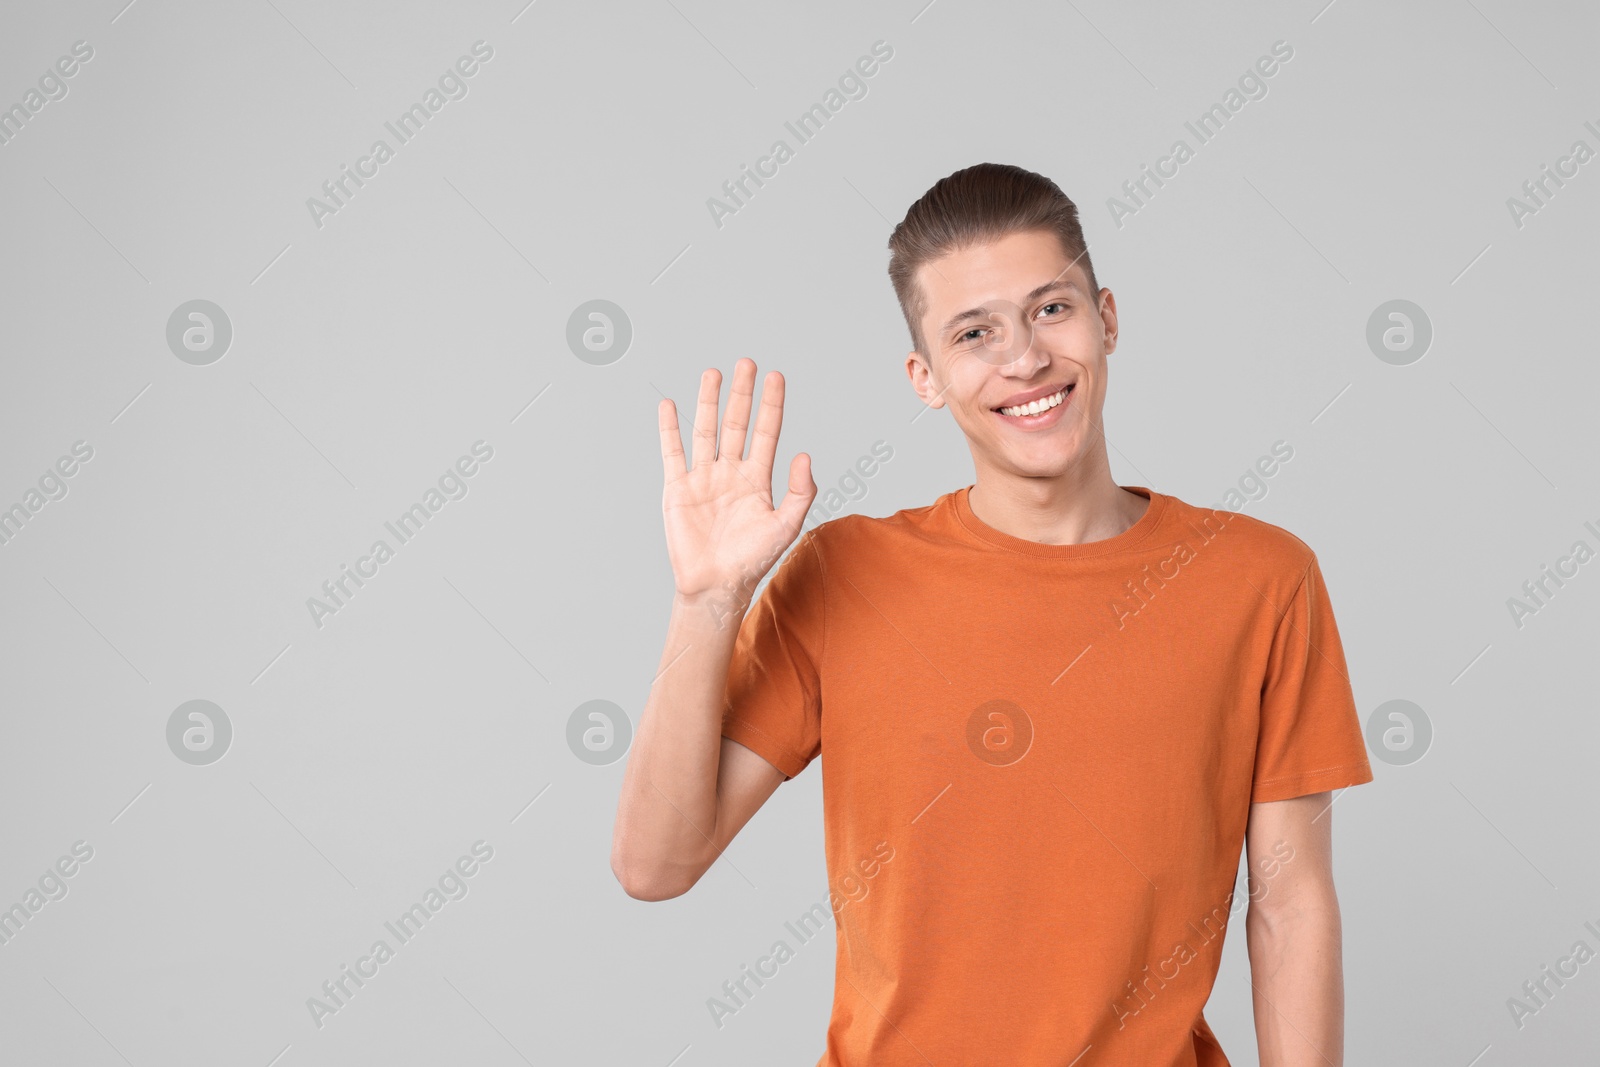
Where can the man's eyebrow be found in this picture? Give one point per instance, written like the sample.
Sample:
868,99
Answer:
1047,287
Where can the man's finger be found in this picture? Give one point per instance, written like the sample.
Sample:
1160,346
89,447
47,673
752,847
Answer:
671,441
769,421
704,448
736,421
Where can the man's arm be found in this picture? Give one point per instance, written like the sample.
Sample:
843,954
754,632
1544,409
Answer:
1293,933
687,789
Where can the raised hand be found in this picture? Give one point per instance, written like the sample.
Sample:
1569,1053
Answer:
723,532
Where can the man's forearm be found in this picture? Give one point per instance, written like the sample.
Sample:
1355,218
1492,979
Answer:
1297,971
668,803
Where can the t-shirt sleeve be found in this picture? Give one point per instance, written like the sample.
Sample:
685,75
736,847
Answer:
1310,737
772,704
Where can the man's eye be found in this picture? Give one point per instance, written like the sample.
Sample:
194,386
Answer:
966,337
1053,304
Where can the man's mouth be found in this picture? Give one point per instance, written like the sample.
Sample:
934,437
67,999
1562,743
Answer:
1038,407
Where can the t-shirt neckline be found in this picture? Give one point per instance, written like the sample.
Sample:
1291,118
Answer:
1129,538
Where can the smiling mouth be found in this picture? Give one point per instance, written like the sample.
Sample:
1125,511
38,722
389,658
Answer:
1040,406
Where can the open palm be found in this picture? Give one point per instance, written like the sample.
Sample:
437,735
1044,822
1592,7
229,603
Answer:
722,529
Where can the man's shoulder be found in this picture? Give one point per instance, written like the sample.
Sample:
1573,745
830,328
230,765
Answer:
1252,541
847,532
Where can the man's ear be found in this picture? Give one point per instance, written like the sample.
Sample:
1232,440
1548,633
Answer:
922,381
1108,318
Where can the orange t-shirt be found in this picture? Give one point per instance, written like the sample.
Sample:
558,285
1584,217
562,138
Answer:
1056,747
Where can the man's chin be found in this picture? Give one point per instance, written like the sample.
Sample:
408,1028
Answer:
1040,463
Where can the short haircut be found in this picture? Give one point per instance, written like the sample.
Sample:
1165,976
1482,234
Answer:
982,203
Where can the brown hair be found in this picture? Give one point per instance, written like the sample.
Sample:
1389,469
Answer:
984,202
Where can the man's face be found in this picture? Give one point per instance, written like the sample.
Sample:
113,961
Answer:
1006,323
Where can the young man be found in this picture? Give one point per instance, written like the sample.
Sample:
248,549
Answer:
1053,708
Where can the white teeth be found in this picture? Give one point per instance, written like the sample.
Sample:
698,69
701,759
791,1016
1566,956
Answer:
1036,406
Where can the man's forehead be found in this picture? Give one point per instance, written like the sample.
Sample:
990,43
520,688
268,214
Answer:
1029,258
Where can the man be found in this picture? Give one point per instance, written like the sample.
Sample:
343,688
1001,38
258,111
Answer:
1058,706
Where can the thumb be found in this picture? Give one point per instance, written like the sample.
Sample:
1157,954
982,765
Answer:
801,492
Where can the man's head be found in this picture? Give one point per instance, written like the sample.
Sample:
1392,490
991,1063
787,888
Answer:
996,285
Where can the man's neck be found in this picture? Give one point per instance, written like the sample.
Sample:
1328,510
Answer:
1068,510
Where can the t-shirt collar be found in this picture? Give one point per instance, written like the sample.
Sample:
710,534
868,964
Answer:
1134,535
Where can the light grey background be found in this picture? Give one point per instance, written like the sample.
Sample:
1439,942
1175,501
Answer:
431,711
